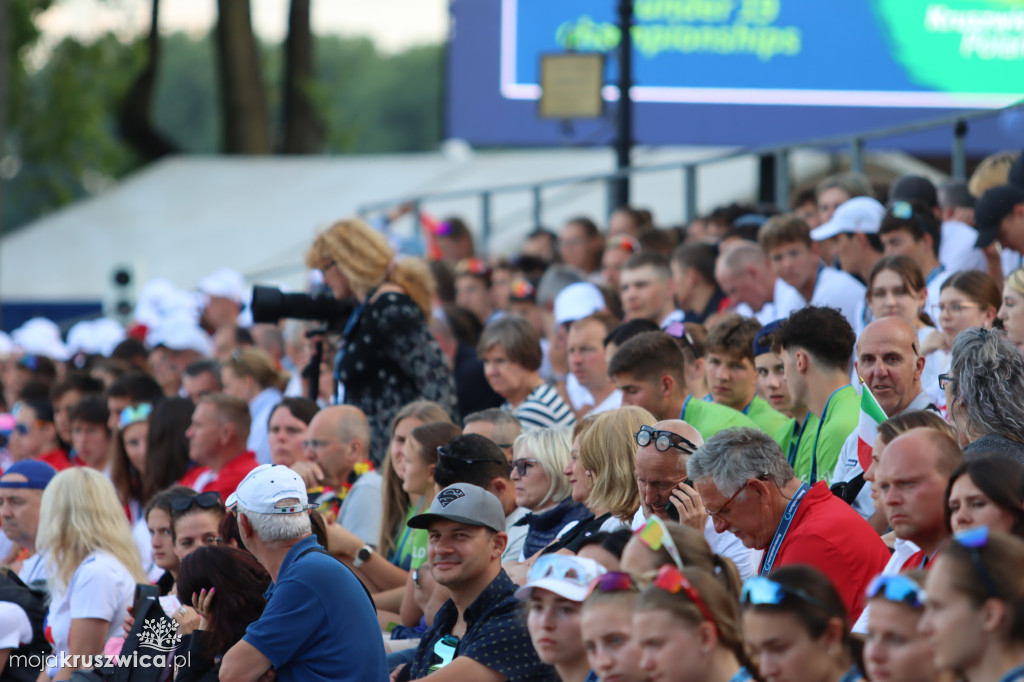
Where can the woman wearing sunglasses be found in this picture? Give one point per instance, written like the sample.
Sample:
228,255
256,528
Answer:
987,490
538,459
894,650
554,592
659,542
797,628
687,626
974,614
606,626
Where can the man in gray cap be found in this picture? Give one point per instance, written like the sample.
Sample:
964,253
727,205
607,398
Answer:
466,527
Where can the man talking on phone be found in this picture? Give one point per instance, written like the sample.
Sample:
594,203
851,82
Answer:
661,456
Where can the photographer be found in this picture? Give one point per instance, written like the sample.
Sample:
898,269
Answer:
386,357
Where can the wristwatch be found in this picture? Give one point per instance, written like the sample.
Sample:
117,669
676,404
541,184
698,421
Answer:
362,556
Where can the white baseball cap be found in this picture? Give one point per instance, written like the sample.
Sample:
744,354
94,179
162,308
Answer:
576,301
860,214
179,332
225,283
264,487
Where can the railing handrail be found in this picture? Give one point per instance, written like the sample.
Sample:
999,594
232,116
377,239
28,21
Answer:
956,120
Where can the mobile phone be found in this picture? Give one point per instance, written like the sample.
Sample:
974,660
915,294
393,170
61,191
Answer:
144,591
670,508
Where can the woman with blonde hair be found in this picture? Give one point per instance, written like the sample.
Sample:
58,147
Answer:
1011,312
92,563
387,356
250,374
538,459
602,474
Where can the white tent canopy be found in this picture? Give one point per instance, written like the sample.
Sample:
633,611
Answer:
184,217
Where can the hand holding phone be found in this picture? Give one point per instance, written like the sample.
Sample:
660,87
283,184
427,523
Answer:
685,506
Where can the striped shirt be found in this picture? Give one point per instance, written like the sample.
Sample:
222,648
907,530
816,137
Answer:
543,409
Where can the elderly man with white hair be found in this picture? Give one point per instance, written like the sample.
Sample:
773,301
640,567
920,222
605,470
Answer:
319,622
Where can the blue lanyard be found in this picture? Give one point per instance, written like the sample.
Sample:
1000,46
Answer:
814,454
1014,674
742,675
682,412
353,320
746,410
794,443
780,532
852,675
938,270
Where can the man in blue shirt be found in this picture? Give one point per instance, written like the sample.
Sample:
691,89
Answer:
319,623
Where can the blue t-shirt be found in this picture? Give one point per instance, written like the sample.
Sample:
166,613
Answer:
318,624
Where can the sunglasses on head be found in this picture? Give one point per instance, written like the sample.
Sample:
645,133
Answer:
897,588
663,440
442,451
561,567
672,580
613,581
445,648
760,591
654,533
134,415
207,500
973,541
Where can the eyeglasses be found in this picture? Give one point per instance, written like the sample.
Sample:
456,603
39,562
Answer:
663,440
561,567
760,591
626,242
721,510
654,533
956,308
446,647
902,210
207,500
973,540
613,581
472,266
134,415
522,465
314,444
897,588
671,580
24,429
944,380
677,330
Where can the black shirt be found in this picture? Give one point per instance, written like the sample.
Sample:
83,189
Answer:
496,636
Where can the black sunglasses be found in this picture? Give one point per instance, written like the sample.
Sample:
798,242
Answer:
663,440
442,450
209,500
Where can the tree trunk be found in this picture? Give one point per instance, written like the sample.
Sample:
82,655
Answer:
303,131
134,120
246,122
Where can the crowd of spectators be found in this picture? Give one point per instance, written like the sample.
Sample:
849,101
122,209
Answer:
766,446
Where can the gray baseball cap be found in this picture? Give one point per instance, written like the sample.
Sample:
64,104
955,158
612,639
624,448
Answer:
464,503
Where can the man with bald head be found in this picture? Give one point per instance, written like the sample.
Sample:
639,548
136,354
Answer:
337,440
888,362
661,478
746,277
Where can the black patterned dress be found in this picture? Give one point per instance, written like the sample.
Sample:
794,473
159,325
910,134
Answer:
387,359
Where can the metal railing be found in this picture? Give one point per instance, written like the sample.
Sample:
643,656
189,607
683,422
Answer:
957,123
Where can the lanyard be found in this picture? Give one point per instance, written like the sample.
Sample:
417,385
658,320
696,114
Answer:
794,442
746,410
938,270
742,675
852,675
814,454
682,412
1014,675
407,533
353,320
780,532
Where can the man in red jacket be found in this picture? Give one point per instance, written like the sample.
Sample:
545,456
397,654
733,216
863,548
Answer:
216,443
749,488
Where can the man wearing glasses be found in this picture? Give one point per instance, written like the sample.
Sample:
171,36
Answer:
661,458
749,488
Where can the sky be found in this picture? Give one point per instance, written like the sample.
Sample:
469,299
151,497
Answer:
393,24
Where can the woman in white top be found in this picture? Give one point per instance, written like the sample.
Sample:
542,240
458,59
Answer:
92,563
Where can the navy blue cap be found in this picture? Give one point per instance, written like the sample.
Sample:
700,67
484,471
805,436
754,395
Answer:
992,207
36,473
761,345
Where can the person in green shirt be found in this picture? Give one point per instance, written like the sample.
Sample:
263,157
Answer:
650,372
772,386
816,345
732,376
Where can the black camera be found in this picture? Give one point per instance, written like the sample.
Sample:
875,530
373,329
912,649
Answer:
270,305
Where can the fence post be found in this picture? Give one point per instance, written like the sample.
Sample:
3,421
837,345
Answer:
960,150
485,220
690,192
782,179
857,155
